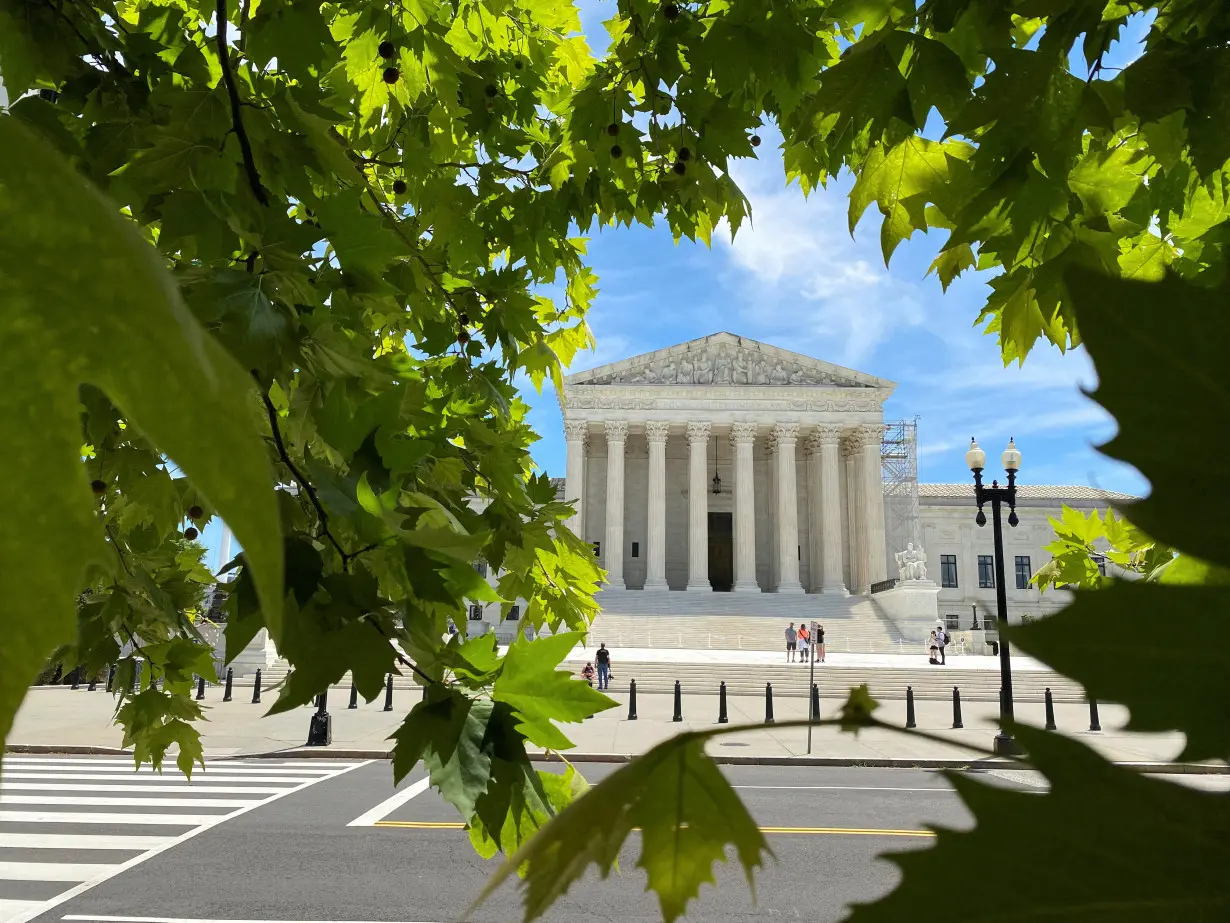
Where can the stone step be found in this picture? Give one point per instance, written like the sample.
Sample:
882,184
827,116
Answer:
931,683
863,631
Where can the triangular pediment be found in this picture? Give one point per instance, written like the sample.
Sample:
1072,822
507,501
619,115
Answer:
722,360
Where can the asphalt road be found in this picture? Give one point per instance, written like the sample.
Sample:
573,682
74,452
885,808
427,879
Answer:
295,855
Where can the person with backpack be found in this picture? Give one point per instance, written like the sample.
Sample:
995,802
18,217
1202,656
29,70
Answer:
941,638
603,656
804,644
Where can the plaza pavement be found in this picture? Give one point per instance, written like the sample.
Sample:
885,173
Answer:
59,719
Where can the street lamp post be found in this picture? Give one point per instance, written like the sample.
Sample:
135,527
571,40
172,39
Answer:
995,495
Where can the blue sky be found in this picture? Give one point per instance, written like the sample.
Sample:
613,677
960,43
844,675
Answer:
797,279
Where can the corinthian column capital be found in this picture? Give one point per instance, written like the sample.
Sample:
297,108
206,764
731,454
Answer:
699,432
786,433
576,430
657,430
616,430
743,433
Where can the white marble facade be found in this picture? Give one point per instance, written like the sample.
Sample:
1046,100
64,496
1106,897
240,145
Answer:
794,441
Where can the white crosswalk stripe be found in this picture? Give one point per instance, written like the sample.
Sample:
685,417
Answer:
68,823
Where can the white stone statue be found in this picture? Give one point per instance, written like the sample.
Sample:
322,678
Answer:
721,367
912,563
686,374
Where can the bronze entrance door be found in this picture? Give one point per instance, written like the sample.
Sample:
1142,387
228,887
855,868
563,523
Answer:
721,551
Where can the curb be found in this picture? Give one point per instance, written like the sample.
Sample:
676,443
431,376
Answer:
66,750
974,765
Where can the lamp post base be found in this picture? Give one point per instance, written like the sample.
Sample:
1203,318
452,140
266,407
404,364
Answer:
1006,745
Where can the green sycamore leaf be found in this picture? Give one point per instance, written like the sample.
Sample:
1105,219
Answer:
1126,333
1160,852
78,287
1105,181
447,730
686,810
154,720
901,180
540,694
1167,683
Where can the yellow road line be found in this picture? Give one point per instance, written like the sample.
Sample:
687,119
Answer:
806,831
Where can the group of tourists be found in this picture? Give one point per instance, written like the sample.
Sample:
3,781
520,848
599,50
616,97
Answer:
807,643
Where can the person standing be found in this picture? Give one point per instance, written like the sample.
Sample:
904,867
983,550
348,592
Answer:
934,644
817,641
603,656
804,644
941,638
792,640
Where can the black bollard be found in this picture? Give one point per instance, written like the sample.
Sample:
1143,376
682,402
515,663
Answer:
110,677
1050,710
320,731
200,688
723,718
632,700
815,701
909,708
230,677
956,708
77,678
388,694
768,703
678,716
256,689
354,695
1094,723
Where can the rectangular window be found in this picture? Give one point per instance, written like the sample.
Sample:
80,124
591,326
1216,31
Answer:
1023,572
948,570
986,571
636,549
597,549
514,613
476,613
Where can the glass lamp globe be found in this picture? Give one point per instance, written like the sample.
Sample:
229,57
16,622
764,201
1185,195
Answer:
975,457
1011,457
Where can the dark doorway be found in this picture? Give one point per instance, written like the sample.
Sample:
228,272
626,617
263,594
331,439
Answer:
721,551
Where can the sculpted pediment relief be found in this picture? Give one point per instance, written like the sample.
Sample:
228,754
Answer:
725,360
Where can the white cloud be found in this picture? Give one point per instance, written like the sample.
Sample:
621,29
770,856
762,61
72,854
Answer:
802,277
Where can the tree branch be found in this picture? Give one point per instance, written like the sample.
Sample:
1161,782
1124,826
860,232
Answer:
232,92
295,473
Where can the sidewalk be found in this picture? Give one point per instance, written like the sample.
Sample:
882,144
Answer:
58,717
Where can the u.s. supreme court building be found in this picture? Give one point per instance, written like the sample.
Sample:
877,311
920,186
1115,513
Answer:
728,475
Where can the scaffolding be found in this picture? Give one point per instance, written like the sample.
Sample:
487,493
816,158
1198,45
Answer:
899,467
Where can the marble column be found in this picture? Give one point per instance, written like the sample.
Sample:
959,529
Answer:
826,445
743,438
770,478
656,433
613,544
698,507
815,515
787,435
577,434
872,436
851,450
